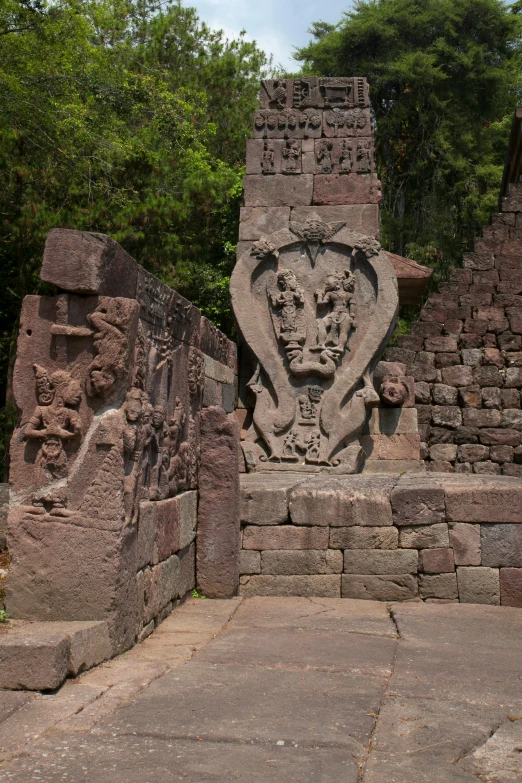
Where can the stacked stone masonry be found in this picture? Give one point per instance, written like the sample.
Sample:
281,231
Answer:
384,538
121,385
465,354
312,152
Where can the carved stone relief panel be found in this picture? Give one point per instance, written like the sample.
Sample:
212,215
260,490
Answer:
344,156
275,94
289,123
347,122
273,156
316,305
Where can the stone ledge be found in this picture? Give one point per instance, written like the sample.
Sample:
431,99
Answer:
39,656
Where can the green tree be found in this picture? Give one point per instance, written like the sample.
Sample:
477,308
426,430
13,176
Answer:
127,117
445,77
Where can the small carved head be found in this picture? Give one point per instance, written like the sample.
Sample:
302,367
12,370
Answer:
44,387
158,416
394,392
333,282
287,280
315,393
133,405
349,280
52,447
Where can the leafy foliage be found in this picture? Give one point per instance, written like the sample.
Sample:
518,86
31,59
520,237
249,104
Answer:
445,77
126,117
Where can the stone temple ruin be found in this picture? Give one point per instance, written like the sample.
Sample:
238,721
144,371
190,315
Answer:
152,458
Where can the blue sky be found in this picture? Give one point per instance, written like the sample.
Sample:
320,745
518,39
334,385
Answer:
276,25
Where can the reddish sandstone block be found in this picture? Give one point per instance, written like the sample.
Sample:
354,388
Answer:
465,540
511,587
331,189
285,537
437,561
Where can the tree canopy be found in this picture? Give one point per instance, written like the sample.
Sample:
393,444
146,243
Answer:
126,117
445,77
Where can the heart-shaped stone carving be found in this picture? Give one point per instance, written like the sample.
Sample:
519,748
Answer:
317,308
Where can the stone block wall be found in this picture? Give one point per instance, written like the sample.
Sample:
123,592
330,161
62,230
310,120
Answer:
121,384
465,354
434,538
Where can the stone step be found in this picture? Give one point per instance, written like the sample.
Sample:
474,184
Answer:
38,656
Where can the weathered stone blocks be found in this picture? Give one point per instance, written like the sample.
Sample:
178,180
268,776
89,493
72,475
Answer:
364,538
323,586
478,585
293,561
501,545
440,586
285,537
465,541
278,190
424,536
394,561
511,587
341,503
397,587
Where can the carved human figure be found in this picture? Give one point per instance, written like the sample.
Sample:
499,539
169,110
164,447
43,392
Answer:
334,329
268,158
146,458
54,421
324,156
345,157
313,450
132,447
110,347
289,445
364,162
287,300
309,404
158,440
291,154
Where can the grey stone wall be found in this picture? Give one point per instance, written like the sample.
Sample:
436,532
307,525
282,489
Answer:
465,354
435,538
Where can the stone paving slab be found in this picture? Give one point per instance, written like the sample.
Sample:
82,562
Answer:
255,704
371,617
152,760
218,688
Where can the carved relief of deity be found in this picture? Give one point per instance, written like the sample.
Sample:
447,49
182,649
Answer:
364,157
334,328
324,157
345,157
309,405
291,157
110,322
268,158
54,421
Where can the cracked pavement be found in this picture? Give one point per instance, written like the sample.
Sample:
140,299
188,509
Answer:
287,689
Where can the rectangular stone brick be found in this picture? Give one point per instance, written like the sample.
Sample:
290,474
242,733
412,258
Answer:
278,190
364,537
256,222
511,587
501,545
333,189
285,537
88,263
323,586
188,517
478,585
458,375
436,561
289,562
500,437
441,344
391,447
380,561
249,561
488,500
441,586
417,502
341,503
424,536
476,417
465,540
393,421
264,500
397,587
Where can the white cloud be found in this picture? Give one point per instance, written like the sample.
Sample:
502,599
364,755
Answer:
277,25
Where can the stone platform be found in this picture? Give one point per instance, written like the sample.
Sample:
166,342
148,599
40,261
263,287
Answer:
290,690
438,537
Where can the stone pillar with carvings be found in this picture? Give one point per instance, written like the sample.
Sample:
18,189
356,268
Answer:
315,296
